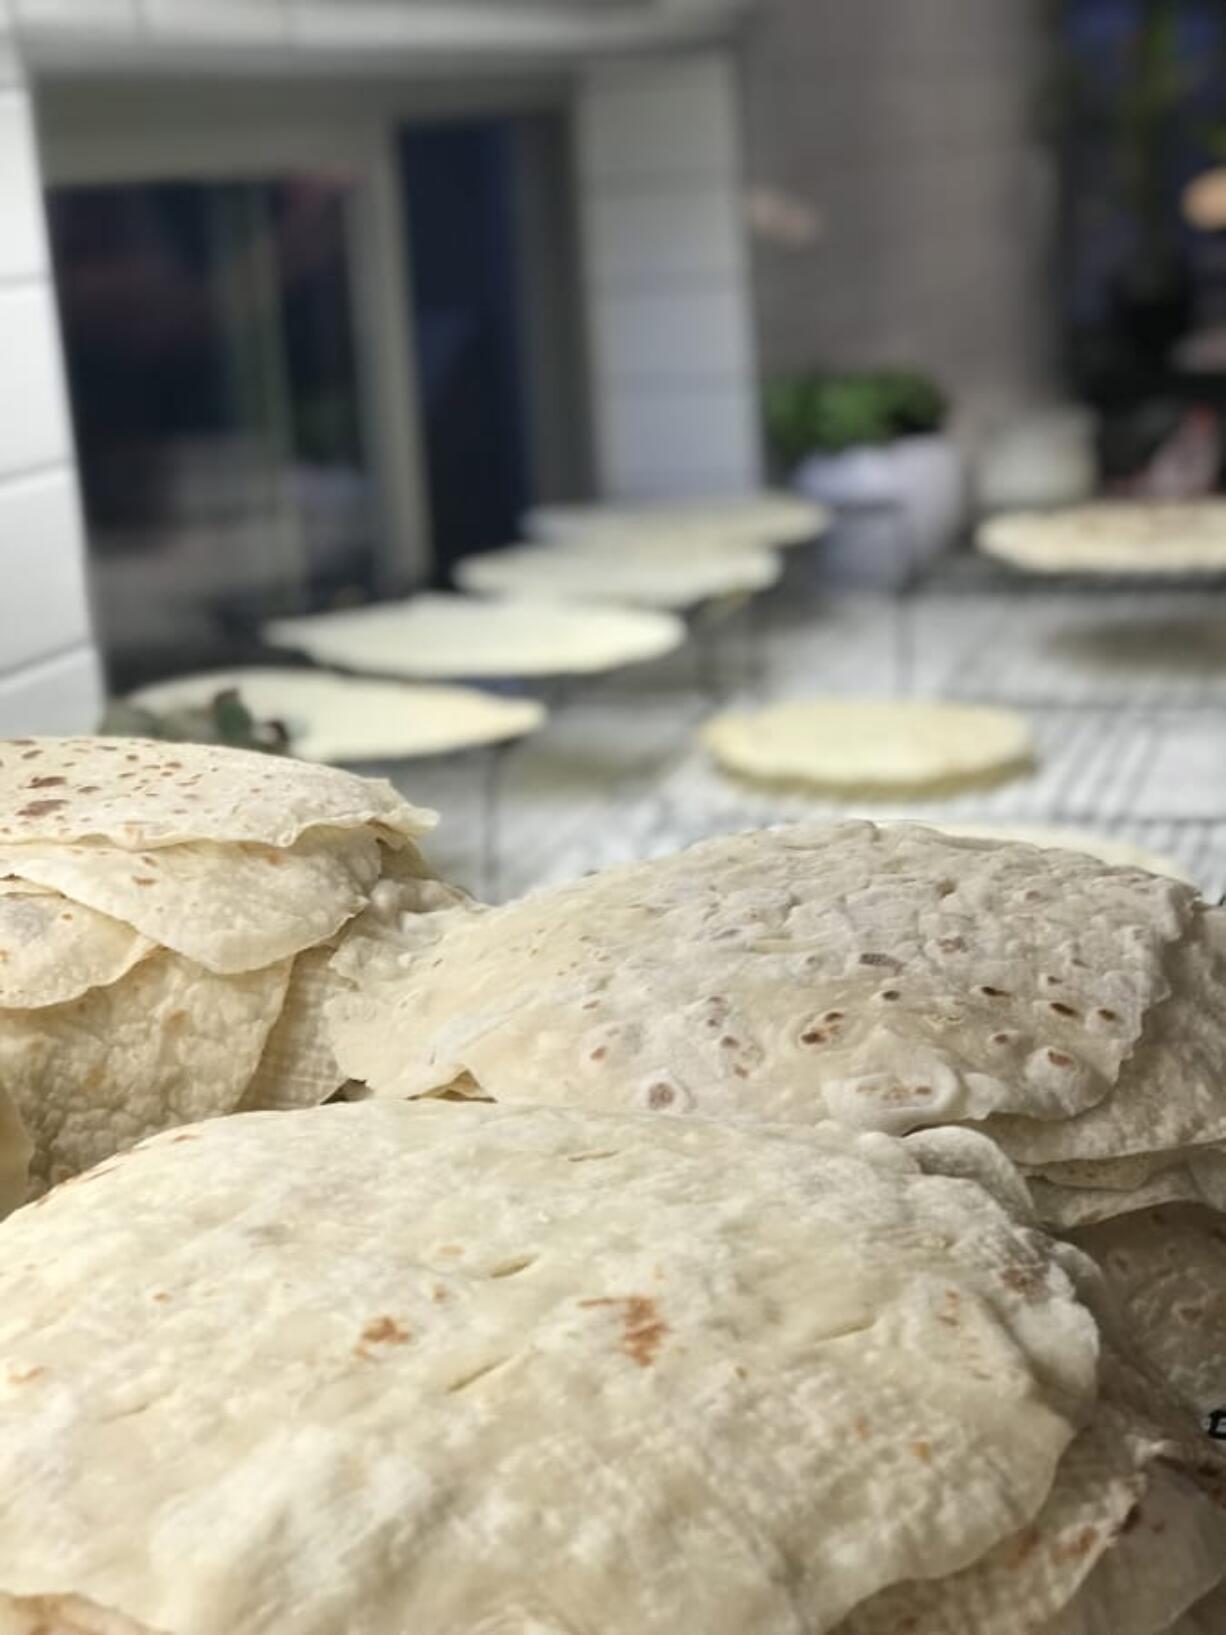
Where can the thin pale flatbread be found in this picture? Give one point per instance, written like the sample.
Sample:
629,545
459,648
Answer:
776,520
474,637
137,793
234,907
571,1338
633,573
167,1044
341,718
1131,537
871,746
298,1068
52,950
1169,1093
1166,1268
890,978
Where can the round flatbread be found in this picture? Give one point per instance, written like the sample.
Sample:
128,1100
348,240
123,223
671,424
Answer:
166,1044
1141,537
234,907
1167,1269
1058,1571
53,950
341,718
474,637
735,522
632,572
573,1339
139,794
871,747
1169,1092
888,977
297,1067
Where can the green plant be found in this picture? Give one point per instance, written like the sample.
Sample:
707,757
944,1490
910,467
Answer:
225,719
827,413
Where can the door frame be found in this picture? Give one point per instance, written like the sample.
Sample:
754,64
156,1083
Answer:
104,133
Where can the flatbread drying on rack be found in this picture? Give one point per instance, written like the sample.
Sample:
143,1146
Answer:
483,1367
1129,537
157,902
775,520
871,747
343,718
636,573
476,637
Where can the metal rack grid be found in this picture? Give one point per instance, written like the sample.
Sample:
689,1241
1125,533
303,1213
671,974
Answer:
617,774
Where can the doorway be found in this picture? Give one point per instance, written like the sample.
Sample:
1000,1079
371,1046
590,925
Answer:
497,317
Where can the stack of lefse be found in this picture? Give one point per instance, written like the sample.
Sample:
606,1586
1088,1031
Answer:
891,979
167,916
778,1366
534,1371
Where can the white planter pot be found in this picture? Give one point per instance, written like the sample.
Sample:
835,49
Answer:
899,506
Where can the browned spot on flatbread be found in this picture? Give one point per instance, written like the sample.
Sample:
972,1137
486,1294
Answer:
1079,1546
45,783
40,808
381,1331
643,1329
1022,1547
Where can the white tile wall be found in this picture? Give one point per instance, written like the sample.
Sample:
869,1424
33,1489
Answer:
673,335
41,547
668,287
49,674
34,430
57,695
703,437
673,235
22,241
659,120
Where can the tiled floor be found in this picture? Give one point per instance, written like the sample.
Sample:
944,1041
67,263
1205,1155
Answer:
1125,691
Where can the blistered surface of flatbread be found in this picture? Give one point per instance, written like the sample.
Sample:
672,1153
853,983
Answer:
1167,1269
232,907
489,1364
1169,1093
167,1044
138,793
474,636
889,978
53,950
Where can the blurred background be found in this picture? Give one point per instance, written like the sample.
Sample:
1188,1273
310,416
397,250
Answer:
303,302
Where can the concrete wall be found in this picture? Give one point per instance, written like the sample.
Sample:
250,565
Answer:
48,668
907,128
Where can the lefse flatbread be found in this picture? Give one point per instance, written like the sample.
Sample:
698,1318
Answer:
53,950
232,907
166,1044
484,1366
138,794
890,978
